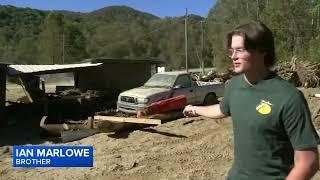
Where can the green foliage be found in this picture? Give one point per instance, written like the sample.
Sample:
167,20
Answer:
295,24
120,14
34,36
27,51
314,51
51,39
74,43
16,25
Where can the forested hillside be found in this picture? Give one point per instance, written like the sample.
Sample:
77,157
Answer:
295,23
30,36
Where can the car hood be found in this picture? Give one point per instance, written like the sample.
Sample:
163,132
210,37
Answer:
144,92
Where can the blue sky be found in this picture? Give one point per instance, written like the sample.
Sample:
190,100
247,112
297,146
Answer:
161,8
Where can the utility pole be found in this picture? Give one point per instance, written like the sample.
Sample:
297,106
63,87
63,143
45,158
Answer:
186,38
201,54
318,16
248,12
258,9
63,48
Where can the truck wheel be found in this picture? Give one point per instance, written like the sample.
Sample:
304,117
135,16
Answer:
210,99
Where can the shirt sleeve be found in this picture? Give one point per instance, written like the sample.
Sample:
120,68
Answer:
298,124
224,103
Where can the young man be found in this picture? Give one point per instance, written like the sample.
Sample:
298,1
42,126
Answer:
274,137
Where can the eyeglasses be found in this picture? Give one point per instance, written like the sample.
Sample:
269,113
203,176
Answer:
237,51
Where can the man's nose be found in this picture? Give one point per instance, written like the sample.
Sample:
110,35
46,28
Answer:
234,55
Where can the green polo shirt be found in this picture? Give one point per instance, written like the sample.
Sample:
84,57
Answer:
271,119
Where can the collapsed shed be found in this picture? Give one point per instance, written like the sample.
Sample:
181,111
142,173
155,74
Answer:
107,75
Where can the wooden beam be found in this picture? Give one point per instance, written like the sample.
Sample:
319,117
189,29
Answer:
25,90
128,119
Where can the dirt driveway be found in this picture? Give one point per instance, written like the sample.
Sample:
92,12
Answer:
188,148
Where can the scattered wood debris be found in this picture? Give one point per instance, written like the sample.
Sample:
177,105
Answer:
214,76
301,74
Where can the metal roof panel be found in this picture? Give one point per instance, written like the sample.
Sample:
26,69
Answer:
16,69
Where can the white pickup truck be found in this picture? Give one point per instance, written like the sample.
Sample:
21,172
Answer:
166,85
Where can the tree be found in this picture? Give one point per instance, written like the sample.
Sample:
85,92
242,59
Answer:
51,39
27,51
6,44
291,23
74,44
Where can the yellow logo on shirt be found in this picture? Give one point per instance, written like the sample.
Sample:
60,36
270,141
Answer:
264,107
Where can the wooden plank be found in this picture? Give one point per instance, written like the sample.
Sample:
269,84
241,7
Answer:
128,119
25,90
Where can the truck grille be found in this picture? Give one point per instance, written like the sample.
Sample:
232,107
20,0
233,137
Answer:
128,99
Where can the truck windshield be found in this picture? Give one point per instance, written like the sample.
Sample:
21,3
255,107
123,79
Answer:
161,80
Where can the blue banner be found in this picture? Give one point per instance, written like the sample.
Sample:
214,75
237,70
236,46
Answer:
52,156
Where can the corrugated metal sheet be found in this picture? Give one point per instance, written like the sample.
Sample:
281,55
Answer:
107,60
38,69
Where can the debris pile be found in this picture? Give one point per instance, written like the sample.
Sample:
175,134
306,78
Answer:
309,74
214,76
288,72
301,74
305,74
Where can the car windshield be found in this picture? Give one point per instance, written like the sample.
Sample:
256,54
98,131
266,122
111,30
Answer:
161,80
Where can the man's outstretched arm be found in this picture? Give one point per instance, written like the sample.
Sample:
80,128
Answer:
212,111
